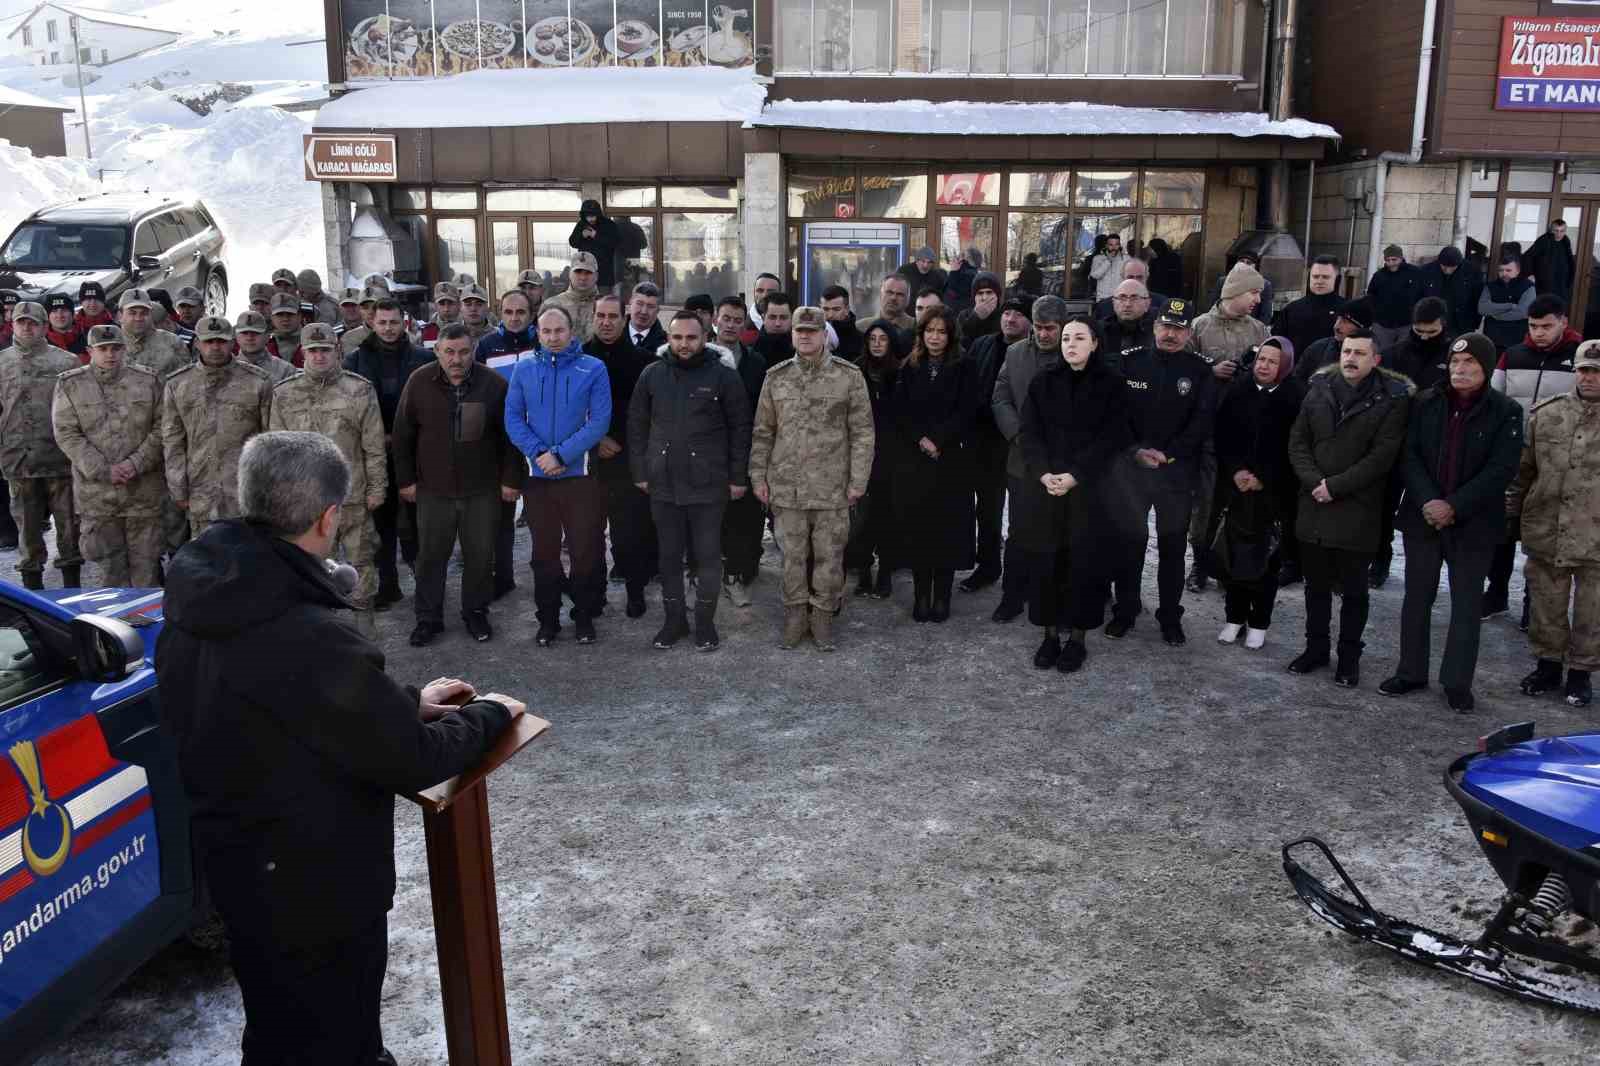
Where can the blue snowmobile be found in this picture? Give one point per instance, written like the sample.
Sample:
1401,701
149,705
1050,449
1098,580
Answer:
1534,807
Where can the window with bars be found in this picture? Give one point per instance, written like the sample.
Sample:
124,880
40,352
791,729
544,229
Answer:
1063,38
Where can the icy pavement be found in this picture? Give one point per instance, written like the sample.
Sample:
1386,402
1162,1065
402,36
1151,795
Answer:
919,849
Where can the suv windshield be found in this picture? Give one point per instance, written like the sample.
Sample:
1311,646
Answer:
64,246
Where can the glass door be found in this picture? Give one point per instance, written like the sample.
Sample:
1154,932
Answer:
1585,233
957,233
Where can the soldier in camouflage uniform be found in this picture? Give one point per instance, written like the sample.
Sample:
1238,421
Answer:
155,349
475,311
261,295
342,406
810,458
1555,494
323,307
210,409
107,418
579,299
371,296
39,473
250,337
284,341
284,280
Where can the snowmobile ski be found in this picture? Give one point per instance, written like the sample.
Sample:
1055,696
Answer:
1504,957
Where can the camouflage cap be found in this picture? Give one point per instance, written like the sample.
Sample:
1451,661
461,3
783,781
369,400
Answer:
284,302
188,295
318,335
808,318
309,279
99,335
262,290
461,281
213,328
136,298
250,322
474,292
1587,357
349,296
584,261
58,301
376,281
373,293
530,277
446,291
30,310
284,274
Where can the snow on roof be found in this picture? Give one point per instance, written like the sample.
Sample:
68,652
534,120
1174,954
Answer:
94,14
550,97
10,98
923,117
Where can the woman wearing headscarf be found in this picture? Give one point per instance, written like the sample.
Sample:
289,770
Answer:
935,409
1256,487
1074,424
872,520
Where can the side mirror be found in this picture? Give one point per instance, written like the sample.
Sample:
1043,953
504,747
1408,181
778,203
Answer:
142,263
108,649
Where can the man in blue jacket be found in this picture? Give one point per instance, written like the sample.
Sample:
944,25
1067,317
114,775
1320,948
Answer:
557,409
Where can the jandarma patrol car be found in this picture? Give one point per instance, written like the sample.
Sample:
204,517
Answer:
95,870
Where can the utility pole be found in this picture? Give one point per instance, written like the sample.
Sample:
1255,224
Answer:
83,108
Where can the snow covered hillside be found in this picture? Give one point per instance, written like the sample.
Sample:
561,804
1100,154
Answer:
243,158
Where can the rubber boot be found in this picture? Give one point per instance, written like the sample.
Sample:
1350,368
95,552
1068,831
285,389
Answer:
1546,677
922,595
676,626
705,627
33,579
794,626
71,577
942,582
1347,673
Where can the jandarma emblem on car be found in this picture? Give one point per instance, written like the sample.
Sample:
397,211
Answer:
26,759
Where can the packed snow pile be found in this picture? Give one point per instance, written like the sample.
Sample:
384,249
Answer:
196,118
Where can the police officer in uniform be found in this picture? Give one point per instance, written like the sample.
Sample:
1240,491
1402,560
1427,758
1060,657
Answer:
1169,409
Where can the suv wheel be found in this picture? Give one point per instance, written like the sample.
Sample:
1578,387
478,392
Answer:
216,294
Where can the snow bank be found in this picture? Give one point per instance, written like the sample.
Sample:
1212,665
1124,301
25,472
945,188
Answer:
926,117
27,183
602,94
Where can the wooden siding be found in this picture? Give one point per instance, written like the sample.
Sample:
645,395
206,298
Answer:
1363,70
40,130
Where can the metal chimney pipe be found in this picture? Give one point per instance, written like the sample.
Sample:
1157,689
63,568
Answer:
1281,105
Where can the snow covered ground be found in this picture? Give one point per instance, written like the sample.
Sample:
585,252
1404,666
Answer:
242,159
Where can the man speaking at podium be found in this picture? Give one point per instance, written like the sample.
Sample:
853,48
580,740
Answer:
292,743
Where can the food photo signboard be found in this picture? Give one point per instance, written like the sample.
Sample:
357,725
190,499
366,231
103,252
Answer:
387,39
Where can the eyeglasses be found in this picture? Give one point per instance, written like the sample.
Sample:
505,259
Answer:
1128,299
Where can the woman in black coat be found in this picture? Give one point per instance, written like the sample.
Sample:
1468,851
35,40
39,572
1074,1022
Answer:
872,518
935,409
1256,487
1074,424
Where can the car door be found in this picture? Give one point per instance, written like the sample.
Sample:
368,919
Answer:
147,246
178,251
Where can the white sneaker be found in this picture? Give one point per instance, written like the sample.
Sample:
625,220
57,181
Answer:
1254,638
1229,634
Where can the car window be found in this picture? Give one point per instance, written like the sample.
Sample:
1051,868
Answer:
169,230
144,240
193,222
28,667
44,245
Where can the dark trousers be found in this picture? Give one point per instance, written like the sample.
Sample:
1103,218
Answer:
397,531
1504,562
575,506
1326,568
1391,505
1425,554
743,523
871,530
633,534
1065,589
1250,603
8,525
991,493
505,540
1014,578
441,520
312,1005
1134,493
697,527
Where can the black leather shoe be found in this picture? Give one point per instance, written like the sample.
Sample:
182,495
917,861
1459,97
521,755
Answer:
1007,611
1347,675
548,632
478,626
636,605
1073,656
1493,605
424,633
1309,660
1173,634
1579,690
584,631
1049,651
1118,628
1546,677
1460,699
1399,686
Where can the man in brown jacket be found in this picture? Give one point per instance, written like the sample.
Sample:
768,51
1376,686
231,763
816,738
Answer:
453,460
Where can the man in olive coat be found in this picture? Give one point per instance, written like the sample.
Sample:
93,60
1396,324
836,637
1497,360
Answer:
1462,448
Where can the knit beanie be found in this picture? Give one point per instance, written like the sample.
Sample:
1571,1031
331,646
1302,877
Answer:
1241,279
986,280
1481,348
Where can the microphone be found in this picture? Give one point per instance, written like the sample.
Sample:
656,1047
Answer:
343,575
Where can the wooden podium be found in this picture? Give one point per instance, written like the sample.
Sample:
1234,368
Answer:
466,918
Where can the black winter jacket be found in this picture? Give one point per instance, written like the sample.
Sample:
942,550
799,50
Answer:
849,339
689,429
1252,427
1426,363
372,359
292,741
1307,320
933,497
1354,449
1393,294
602,245
1120,340
1324,352
1170,405
1073,422
1459,291
1491,448
988,355
624,363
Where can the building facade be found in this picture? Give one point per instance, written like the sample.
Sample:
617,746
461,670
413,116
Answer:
32,122
44,36
820,141
1478,130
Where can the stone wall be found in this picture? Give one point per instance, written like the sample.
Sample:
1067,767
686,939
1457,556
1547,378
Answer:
761,221
1419,212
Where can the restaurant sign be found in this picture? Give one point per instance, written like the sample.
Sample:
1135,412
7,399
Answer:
350,157
1548,64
